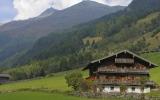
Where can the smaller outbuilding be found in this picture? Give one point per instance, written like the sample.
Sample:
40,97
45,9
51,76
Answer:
4,78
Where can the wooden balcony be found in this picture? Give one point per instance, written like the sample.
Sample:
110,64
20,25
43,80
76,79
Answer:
119,82
120,70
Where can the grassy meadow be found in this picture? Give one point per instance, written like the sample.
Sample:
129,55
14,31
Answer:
52,82
38,96
155,58
57,82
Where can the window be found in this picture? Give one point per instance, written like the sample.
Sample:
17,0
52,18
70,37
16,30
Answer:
133,88
112,88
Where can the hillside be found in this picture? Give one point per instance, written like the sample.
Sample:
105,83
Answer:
135,28
18,36
154,72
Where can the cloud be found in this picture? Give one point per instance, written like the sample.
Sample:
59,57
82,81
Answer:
32,8
117,2
62,4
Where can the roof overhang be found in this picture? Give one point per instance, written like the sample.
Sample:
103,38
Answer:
98,61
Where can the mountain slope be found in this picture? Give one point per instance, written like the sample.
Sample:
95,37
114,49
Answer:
18,36
125,29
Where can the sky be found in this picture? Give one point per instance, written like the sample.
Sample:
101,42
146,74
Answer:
25,9
7,11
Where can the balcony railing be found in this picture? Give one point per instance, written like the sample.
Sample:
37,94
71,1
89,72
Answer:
120,82
117,82
123,70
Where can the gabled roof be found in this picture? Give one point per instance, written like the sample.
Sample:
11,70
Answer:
150,64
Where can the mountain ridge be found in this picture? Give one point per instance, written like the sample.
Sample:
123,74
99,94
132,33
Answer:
47,12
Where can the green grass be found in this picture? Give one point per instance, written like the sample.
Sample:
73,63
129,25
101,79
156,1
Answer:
56,82
38,96
155,58
45,96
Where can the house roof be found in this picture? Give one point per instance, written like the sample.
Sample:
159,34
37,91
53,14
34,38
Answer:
5,75
150,64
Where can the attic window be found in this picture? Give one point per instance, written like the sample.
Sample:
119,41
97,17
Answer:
124,60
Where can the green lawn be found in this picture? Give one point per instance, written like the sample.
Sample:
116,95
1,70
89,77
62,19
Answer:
37,96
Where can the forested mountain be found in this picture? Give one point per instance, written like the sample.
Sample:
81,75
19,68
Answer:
136,28
131,29
17,36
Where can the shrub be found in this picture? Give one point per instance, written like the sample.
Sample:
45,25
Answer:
74,80
86,85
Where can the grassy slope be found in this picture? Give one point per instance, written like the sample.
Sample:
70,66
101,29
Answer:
155,73
57,82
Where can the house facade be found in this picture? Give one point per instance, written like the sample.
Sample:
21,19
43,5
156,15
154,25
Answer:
121,72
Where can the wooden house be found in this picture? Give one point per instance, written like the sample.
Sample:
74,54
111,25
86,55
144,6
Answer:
119,70
4,78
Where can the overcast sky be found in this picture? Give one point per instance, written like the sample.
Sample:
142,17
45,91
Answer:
24,9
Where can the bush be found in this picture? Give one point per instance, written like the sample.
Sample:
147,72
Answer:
74,80
86,85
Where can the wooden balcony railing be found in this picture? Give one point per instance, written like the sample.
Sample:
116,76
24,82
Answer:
119,82
120,70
